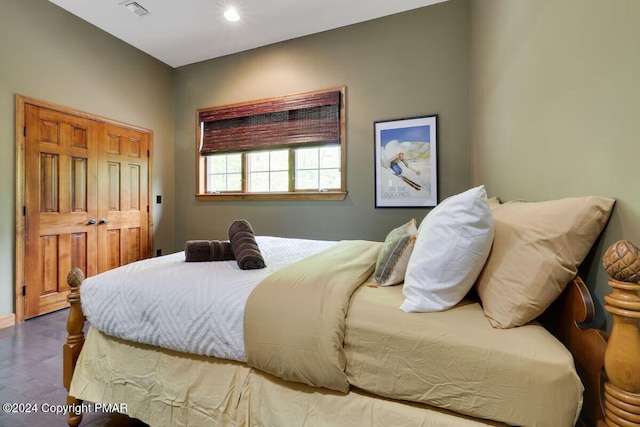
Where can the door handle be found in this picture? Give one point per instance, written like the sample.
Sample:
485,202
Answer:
103,221
91,221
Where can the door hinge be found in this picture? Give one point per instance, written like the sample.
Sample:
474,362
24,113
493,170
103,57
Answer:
24,211
24,290
147,208
24,130
148,153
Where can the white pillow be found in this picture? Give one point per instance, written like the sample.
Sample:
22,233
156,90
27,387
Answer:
453,244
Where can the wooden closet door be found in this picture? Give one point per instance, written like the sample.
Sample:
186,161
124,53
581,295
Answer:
60,207
123,207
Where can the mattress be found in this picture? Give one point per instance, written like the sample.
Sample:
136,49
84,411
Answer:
454,359
193,307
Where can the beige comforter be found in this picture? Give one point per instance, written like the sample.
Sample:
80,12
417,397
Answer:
294,320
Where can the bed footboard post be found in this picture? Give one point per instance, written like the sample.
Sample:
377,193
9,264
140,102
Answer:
75,340
622,358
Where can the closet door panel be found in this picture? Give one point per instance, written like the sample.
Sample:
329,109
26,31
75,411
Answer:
123,209
60,205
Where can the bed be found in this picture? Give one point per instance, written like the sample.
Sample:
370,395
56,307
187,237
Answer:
337,354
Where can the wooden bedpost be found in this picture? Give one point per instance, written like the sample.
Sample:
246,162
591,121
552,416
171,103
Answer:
75,340
622,358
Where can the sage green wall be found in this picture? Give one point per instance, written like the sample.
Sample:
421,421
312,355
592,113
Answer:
410,64
49,54
555,103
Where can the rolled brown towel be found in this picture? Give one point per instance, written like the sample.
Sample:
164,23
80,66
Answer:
208,250
244,246
197,251
222,251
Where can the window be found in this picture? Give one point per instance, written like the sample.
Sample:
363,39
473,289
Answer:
224,173
314,169
276,149
317,168
268,171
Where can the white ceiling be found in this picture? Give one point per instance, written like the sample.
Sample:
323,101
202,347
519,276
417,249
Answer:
180,32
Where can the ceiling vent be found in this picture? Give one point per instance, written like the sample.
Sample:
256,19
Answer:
134,7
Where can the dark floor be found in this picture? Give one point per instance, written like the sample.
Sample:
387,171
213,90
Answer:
31,373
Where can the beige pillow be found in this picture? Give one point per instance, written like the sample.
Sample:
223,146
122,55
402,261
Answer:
494,202
537,249
393,258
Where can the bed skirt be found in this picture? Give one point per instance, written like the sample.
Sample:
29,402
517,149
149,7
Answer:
168,388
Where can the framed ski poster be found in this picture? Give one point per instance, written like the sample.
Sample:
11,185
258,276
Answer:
406,162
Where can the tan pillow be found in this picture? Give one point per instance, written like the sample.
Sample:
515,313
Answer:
494,202
537,249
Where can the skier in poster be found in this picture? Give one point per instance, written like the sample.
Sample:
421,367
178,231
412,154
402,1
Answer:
395,166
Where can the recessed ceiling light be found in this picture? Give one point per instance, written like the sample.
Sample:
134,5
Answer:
232,15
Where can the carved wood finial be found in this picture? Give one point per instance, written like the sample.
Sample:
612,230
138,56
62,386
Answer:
622,262
622,357
75,278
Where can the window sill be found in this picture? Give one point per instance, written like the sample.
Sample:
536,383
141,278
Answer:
298,195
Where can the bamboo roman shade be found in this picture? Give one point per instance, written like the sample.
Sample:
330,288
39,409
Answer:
312,118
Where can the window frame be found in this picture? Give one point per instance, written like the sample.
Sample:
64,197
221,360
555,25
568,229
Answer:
292,194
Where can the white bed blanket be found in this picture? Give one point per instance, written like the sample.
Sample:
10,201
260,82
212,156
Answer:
193,307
